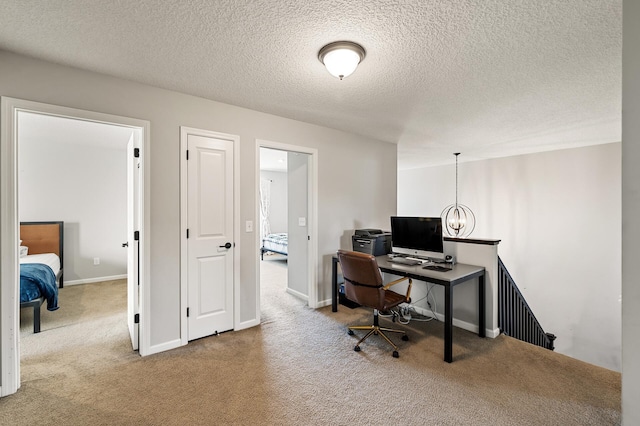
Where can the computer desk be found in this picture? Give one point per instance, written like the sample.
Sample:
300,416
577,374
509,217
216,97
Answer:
460,273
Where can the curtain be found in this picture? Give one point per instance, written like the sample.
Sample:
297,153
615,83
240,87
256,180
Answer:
265,204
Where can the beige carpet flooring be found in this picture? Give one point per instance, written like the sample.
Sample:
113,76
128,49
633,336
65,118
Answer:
297,368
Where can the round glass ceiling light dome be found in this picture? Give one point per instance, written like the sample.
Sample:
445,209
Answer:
341,57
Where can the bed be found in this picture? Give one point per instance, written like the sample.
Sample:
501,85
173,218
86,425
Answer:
41,262
276,243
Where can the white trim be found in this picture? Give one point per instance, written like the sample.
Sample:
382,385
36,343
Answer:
247,324
312,298
145,251
492,333
184,132
297,294
184,330
9,323
9,320
166,346
323,303
257,230
237,246
313,247
95,280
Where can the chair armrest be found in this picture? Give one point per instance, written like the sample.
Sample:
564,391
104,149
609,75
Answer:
392,283
399,280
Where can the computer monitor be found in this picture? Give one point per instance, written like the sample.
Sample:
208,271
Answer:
417,236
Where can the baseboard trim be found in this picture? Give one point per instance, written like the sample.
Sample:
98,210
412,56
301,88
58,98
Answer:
247,324
95,280
298,294
323,303
154,349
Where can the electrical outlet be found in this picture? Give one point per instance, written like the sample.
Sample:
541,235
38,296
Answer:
96,260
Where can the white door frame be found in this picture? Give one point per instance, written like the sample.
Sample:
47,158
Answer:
184,132
134,171
312,209
9,293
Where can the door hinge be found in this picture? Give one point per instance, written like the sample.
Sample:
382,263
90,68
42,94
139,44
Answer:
308,237
187,154
136,152
187,312
187,232
136,235
136,319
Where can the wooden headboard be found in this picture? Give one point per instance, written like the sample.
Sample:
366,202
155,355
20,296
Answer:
43,237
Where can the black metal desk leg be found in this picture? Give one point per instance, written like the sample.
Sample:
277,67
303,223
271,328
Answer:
448,324
481,307
334,284
36,319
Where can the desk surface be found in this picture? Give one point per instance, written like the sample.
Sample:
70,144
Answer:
459,273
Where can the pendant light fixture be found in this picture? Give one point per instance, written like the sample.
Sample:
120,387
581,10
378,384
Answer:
458,219
341,57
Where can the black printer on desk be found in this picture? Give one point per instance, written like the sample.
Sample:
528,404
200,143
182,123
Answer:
372,241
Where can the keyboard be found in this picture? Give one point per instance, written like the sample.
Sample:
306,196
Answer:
405,261
436,268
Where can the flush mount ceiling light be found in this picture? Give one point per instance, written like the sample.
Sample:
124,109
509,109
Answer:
341,57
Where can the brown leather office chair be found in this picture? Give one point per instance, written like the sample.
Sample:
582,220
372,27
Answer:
363,285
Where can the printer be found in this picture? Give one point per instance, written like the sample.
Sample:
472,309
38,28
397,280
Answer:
372,241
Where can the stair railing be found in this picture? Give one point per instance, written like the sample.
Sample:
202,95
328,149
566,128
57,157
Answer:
515,317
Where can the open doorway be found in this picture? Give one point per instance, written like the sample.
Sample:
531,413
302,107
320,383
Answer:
286,228
17,115
74,171
273,229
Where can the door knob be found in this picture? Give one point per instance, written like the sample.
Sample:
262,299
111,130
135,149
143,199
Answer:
227,246
125,244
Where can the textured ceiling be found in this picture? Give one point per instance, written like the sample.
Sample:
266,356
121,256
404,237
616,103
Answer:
487,78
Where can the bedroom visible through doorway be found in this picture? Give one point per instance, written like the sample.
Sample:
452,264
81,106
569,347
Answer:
77,171
273,227
285,223
13,110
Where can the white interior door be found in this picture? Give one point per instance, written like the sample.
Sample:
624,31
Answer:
133,240
210,245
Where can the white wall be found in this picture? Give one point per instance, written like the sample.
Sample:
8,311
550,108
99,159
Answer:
630,213
278,210
346,196
84,185
558,216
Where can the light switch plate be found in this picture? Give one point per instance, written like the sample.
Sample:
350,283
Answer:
302,221
248,226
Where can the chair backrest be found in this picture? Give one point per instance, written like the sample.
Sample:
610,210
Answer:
362,278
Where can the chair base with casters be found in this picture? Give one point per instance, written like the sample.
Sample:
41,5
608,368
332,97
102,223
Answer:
376,329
